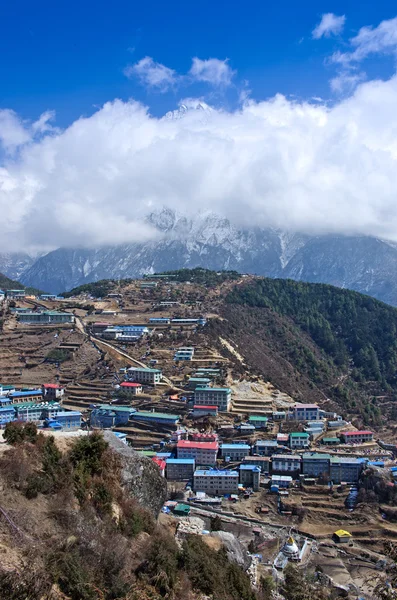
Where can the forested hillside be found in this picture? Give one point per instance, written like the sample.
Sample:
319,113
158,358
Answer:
318,341
9,284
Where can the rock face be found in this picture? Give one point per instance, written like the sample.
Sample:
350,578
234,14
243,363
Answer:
235,551
364,264
140,476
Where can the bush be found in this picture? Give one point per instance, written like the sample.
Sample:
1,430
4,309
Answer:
59,355
135,519
216,523
18,432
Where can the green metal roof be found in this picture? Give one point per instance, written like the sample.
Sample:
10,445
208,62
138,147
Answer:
146,369
257,418
36,405
331,439
316,456
115,407
296,434
157,415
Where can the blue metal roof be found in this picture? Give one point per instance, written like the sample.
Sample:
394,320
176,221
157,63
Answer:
24,394
179,461
7,409
235,447
249,468
216,473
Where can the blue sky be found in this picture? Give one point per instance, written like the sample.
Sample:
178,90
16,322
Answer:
70,56
290,118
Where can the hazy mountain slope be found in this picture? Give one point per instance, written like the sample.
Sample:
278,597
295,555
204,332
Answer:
364,264
13,264
209,241
316,342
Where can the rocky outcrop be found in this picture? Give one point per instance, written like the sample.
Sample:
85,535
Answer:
235,551
140,476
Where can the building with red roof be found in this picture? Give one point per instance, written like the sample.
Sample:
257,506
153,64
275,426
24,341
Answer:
161,465
52,391
132,388
204,453
204,411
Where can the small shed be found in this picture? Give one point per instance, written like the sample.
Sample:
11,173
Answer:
182,510
342,536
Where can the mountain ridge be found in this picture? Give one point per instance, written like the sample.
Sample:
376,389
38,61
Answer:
364,264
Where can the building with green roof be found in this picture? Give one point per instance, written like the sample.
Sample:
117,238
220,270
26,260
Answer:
258,421
155,417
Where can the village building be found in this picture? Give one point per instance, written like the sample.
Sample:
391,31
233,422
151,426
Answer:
315,464
47,316
258,421
131,388
263,462
203,437
67,419
220,397
110,415
36,412
330,441
160,321
52,391
180,469
7,414
155,417
279,415
215,482
280,481
232,452
286,463
345,469
265,447
250,476
356,437
15,294
195,382
204,453
144,375
305,412
204,411
26,396
298,440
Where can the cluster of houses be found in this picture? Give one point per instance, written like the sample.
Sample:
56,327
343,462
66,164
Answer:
42,406
197,460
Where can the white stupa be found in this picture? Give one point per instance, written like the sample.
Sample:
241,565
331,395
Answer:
290,549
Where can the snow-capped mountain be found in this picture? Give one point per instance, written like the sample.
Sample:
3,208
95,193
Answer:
364,264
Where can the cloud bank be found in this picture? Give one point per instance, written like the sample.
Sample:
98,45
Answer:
293,165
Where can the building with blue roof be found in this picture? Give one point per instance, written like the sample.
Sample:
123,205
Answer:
69,419
27,396
7,414
179,469
250,476
215,482
211,396
234,451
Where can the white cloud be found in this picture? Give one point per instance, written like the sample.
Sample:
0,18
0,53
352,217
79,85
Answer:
290,164
152,74
370,40
346,81
213,71
330,24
